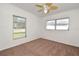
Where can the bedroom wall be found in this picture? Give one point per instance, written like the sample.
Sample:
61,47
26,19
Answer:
6,22
70,37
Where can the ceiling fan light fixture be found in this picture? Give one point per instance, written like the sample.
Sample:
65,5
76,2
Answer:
45,9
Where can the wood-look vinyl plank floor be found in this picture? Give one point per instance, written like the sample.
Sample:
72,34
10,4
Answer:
41,47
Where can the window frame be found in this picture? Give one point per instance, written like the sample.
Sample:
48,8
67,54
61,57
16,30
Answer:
62,24
24,26
53,25
56,23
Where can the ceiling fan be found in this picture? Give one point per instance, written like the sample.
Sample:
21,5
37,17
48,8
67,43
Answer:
46,7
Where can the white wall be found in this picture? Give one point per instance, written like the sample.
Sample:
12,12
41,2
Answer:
6,22
70,37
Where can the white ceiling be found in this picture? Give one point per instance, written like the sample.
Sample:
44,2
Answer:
30,7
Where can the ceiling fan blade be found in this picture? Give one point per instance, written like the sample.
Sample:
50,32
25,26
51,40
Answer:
40,6
53,7
48,4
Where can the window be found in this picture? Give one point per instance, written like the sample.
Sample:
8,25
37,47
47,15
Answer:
58,24
19,27
62,24
51,24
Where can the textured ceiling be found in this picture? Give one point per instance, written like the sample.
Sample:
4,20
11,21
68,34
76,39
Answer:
30,7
